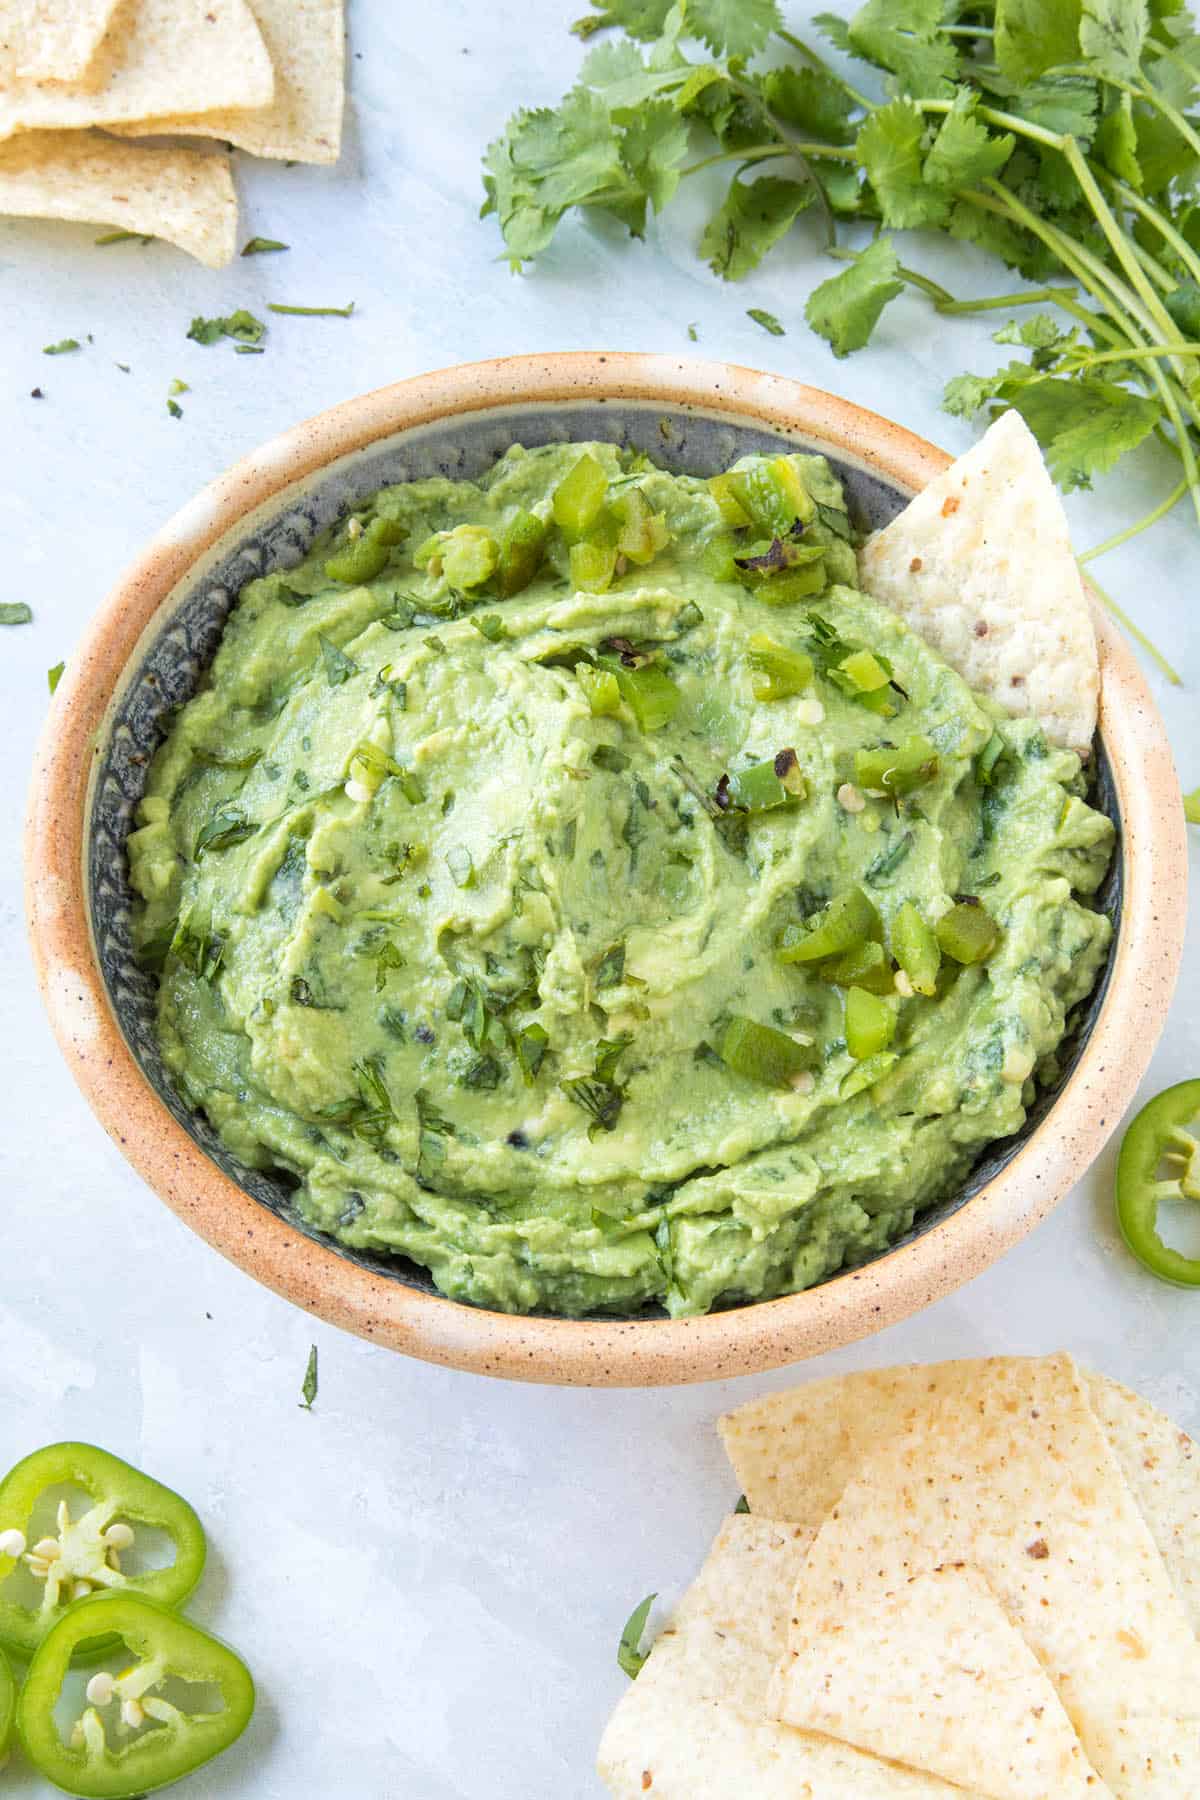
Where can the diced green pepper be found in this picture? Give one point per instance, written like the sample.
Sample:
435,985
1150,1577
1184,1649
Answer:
847,921
732,510
763,1054
866,966
600,689
593,566
896,770
776,672
648,691
777,782
102,1759
642,533
772,495
1162,1136
120,1496
968,933
870,1023
521,548
916,949
794,584
866,1073
366,555
579,497
864,671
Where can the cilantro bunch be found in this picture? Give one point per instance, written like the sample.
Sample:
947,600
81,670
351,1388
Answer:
1056,134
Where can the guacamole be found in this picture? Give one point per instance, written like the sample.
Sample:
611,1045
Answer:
571,882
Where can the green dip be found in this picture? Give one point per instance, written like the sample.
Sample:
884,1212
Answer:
459,955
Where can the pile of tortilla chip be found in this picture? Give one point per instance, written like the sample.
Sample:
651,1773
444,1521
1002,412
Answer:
970,1578
80,79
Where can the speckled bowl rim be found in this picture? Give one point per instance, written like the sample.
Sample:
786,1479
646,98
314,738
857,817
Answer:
592,1352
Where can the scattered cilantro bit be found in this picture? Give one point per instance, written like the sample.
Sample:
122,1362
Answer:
610,971
249,350
338,666
1191,806
631,1658
15,612
693,334
259,246
241,325
432,1131
767,320
61,348
743,1505
174,408
55,675
313,312
750,221
179,387
845,309
309,1388
490,626
228,826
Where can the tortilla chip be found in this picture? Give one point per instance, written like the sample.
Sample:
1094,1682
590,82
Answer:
692,1726
1162,1467
306,41
184,196
52,40
933,1675
1010,1473
158,56
794,1452
980,565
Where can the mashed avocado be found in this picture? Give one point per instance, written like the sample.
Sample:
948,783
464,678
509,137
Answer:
473,870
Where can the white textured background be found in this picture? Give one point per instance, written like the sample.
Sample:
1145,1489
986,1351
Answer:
427,1574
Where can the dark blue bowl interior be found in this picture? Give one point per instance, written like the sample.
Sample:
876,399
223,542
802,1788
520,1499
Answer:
172,664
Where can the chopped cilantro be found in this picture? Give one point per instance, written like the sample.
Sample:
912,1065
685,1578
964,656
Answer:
338,666
259,246
15,612
174,408
309,1388
55,675
767,320
631,1658
61,348
241,325
313,312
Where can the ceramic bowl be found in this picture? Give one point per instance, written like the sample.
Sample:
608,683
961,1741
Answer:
144,652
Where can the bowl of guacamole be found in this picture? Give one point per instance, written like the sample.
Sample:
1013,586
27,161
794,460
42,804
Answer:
556,909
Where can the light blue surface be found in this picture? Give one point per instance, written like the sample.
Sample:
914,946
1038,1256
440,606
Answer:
428,1574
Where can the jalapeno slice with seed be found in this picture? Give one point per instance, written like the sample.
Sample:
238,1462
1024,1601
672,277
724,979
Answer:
1160,1160
140,1728
80,1549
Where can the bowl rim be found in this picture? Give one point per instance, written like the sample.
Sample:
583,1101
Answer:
591,1351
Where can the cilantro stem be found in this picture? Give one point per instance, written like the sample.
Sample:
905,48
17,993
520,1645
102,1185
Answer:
760,152
1119,242
1164,227
818,62
1122,537
997,302
313,312
1123,619
1089,359
1003,121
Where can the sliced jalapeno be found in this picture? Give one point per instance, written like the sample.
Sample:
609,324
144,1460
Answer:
84,1552
130,1738
1160,1140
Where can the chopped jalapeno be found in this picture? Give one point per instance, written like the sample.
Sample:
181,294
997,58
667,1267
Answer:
794,584
968,933
366,555
777,782
521,549
776,672
579,497
772,495
648,691
916,948
864,672
643,533
732,510
763,1054
1160,1160
847,921
866,966
897,771
866,1073
593,566
600,689
870,1023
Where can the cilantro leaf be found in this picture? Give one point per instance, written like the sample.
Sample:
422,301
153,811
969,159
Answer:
1084,427
550,160
1116,143
751,219
845,309
15,612
889,149
906,40
631,1658
1037,331
1035,35
260,246
1183,304
63,346
653,147
640,18
55,675
241,325
733,27
966,395
767,320
811,101
338,666
1112,36
964,153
